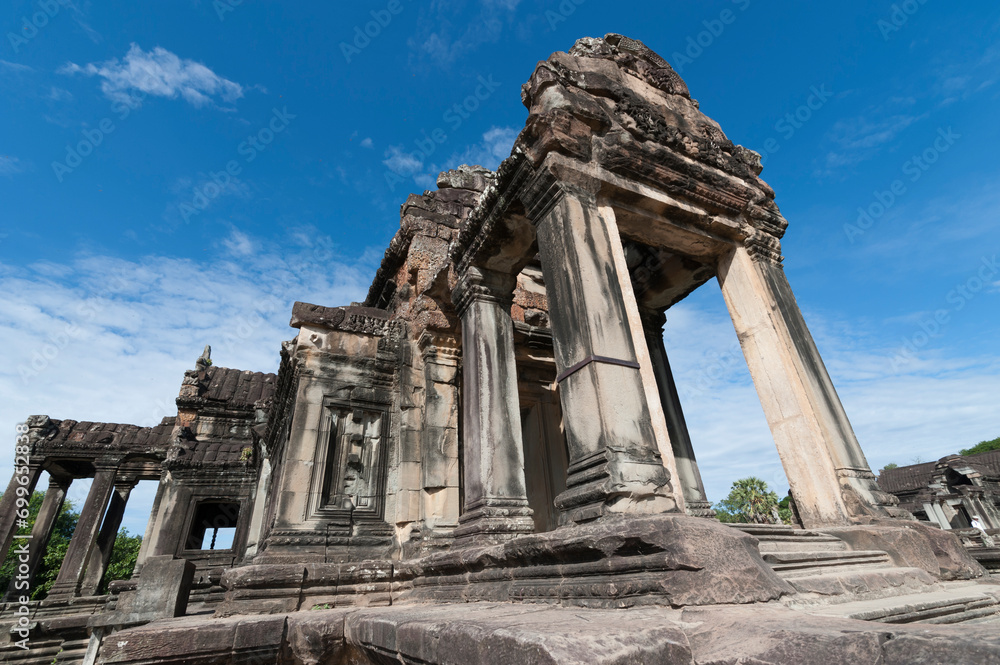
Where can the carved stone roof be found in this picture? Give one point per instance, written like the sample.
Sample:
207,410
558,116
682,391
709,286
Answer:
916,477
238,388
72,436
907,478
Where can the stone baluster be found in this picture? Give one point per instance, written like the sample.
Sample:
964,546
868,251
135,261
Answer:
830,478
70,578
496,502
615,465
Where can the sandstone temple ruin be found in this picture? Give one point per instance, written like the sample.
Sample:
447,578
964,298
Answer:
486,462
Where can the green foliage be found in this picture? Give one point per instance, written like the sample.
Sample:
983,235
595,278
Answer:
54,552
749,501
890,465
123,558
982,447
123,554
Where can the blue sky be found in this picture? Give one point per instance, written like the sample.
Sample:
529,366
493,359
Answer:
175,174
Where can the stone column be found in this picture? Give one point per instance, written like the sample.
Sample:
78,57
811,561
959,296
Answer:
688,475
615,465
830,478
439,444
42,530
496,502
67,584
152,524
97,564
8,504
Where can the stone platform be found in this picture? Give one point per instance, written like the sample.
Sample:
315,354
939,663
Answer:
506,634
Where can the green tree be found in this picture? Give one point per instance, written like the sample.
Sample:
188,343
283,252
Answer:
123,558
749,501
123,554
890,465
982,447
54,552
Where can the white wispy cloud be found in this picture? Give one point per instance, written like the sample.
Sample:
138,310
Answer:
108,339
239,243
931,409
160,73
15,67
10,165
445,34
492,149
403,163
367,143
860,138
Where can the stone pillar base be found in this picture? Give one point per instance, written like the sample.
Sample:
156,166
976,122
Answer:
699,509
494,521
610,483
618,562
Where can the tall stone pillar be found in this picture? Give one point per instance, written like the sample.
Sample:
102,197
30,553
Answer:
830,478
152,524
45,523
70,578
8,503
496,501
439,444
615,465
101,554
688,475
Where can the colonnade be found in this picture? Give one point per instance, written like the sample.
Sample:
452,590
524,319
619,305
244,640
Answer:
93,539
619,401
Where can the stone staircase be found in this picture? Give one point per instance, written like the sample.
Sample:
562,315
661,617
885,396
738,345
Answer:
832,579
823,567
955,602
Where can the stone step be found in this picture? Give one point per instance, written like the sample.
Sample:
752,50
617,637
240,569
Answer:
951,603
983,614
765,529
801,544
802,563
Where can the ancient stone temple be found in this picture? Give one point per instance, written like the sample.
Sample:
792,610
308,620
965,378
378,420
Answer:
487,460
